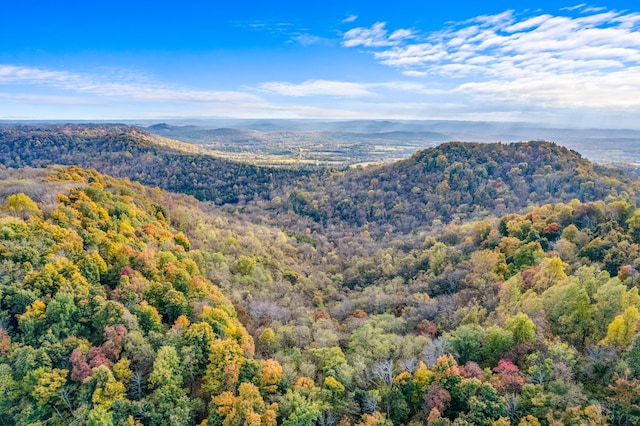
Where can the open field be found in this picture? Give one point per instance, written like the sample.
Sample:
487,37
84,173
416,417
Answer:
339,144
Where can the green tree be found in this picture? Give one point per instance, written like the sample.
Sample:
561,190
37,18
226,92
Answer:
33,322
522,327
633,358
634,225
166,368
298,409
107,388
568,309
467,342
527,255
609,298
62,314
169,400
148,317
200,336
497,340
99,416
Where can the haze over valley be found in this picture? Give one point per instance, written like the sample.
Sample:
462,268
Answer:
340,143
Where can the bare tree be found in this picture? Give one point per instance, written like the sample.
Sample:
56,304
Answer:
409,365
137,385
328,418
382,371
511,405
435,349
369,404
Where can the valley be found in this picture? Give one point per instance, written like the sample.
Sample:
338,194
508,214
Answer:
347,143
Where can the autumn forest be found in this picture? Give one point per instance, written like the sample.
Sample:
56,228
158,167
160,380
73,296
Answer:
146,281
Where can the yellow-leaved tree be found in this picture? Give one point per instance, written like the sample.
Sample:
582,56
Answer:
622,329
247,408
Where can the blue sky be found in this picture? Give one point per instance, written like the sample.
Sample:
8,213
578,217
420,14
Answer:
574,64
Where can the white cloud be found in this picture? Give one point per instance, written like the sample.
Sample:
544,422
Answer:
503,18
528,23
40,99
317,88
350,18
584,57
376,36
401,34
131,88
307,39
347,89
618,90
414,73
592,9
571,8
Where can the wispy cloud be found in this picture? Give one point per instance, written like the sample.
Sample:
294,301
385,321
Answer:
317,88
565,60
376,36
584,8
349,19
306,40
273,27
291,32
42,99
137,88
346,89
414,73
571,8
593,9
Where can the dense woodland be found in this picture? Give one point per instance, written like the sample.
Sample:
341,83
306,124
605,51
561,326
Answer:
456,181
512,299
131,152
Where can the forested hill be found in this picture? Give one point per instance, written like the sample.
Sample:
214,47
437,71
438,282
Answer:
445,183
109,315
458,180
126,151
105,316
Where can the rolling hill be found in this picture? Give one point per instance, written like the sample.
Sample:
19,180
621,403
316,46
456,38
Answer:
468,284
457,181
444,183
125,151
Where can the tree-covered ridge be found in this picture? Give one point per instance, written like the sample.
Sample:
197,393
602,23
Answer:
106,317
125,151
457,181
454,181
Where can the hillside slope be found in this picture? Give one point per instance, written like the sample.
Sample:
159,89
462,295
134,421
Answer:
106,316
125,151
457,181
